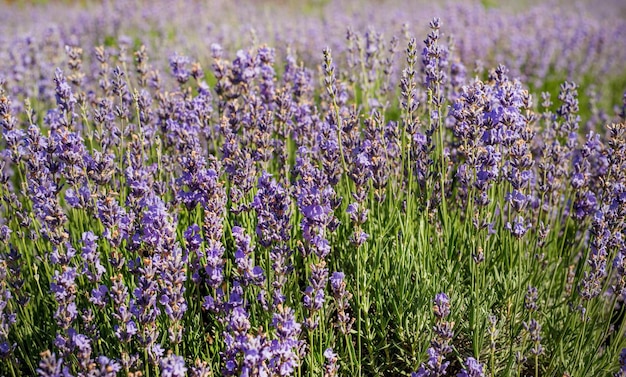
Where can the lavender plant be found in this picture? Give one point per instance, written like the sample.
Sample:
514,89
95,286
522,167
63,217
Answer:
301,210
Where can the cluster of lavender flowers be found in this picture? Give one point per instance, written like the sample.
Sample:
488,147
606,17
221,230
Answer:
271,217
534,42
440,345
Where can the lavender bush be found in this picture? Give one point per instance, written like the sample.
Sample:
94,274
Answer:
221,189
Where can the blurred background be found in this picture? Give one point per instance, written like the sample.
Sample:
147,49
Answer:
541,42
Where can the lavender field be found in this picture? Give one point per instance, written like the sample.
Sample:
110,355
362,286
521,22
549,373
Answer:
312,188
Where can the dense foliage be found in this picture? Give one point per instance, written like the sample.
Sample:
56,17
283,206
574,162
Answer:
182,197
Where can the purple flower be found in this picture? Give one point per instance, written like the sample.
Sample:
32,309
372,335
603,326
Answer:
99,296
316,201
584,205
530,300
440,344
64,288
272,205
342,301
115,220
201,369
107,367
7,316
143,304
441,305
472,368
65,97
517,200
286,349
193,237
82,348
434,58
336,280
519,227
256,353
178,64
331,368
250,274
215,264
5,349
199,183
92,267
243,68
124,327
314,212
569,107
359,238
533,328
360,216
314,293
78,199
50,366
321,246
173,366
235,335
